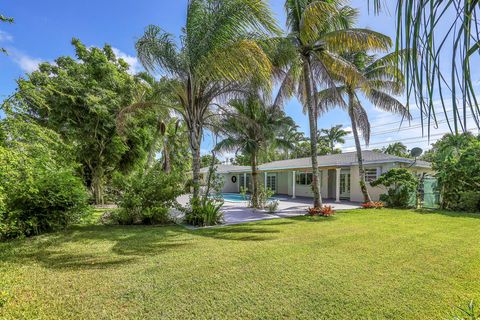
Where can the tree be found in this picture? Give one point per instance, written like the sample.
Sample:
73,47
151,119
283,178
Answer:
7,20
381,79
81,99
333,136
251,126
397,149
430,75
207,159
307,58
218,52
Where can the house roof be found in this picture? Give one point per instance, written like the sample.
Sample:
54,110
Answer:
332,160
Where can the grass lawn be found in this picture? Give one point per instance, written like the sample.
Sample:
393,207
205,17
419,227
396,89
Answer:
394,264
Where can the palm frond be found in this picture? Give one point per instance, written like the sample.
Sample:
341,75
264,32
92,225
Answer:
356,40
388,103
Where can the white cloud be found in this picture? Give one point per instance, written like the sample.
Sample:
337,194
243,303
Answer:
133,62
5,36
24,61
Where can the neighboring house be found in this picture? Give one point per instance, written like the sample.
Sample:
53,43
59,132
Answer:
339,179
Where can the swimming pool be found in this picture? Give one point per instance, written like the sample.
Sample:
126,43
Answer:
237,197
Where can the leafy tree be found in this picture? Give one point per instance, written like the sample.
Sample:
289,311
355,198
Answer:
251,126
81,99
308,59
7,20
380,80
218,51
333,136
207,159
455,160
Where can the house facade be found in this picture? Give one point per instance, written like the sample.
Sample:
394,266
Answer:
339,178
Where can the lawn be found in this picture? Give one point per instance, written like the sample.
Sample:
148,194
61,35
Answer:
395,264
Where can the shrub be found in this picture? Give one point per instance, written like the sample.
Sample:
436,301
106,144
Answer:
272,206
205,212
146,197
400,183
373,205
325,211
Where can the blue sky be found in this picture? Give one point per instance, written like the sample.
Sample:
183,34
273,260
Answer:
43,31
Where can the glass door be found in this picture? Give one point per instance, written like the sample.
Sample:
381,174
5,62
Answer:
345,185
272,182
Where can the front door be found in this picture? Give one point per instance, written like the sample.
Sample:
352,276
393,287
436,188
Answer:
345,185
272,182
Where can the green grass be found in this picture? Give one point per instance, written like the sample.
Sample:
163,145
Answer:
360,264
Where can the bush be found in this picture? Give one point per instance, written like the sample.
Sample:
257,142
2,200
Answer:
400,184
465,201
205,212
146,197
272,206
53,201
325,211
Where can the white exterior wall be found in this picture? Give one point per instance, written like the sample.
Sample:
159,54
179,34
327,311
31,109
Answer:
228,185
356,194
283,181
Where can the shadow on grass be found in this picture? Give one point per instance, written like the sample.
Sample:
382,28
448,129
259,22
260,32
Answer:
97,247
453,214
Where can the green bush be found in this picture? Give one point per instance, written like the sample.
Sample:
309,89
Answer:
146,197
465,201
205,212
400,183
53,201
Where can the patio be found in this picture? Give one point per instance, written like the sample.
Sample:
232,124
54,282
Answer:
239,212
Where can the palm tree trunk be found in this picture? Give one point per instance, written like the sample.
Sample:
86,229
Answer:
167,167
361,169
195,140
311,107
254,181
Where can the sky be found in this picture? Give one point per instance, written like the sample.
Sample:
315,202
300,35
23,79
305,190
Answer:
43,31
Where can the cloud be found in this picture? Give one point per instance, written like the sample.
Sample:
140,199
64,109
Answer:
133,62
25,62
5,36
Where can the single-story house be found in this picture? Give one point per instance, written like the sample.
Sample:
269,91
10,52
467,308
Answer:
339,178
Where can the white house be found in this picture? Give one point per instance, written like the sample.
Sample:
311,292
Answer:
339,179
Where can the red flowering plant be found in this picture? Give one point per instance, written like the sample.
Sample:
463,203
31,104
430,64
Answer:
373,205
325,211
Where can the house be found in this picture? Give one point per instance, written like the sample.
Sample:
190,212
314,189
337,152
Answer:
339,178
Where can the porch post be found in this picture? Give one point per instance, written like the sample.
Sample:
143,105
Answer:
245,181
266,180
293,185
337,198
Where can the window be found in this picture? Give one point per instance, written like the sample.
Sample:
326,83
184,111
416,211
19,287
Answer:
304,179
371,174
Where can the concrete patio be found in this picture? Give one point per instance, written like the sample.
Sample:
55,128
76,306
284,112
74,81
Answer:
239,212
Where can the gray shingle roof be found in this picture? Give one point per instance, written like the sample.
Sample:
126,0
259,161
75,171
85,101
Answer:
332,160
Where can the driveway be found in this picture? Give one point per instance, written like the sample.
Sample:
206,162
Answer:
239,212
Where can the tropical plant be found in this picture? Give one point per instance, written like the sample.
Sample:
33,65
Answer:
218,53
380,80
81,99
455,161
397,149
333,136
308,59
207,159
400,184
272,206
204,212
435,29
325,211
250,125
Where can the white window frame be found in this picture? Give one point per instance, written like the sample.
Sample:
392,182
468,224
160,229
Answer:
371,174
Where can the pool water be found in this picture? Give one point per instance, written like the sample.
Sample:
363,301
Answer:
237,197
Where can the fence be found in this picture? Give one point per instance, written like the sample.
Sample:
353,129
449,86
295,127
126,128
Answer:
429,194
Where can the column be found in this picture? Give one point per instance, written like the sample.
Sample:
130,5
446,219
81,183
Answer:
245,181
266,180
337,198
293,184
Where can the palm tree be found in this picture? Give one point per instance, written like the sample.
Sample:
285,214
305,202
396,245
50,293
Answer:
333,136
307,58
381,79
218,51
397,149
251,126
292,136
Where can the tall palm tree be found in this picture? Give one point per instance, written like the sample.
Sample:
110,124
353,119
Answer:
307,58
251,126
333,135
218,51
292,136
381,79
397,149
